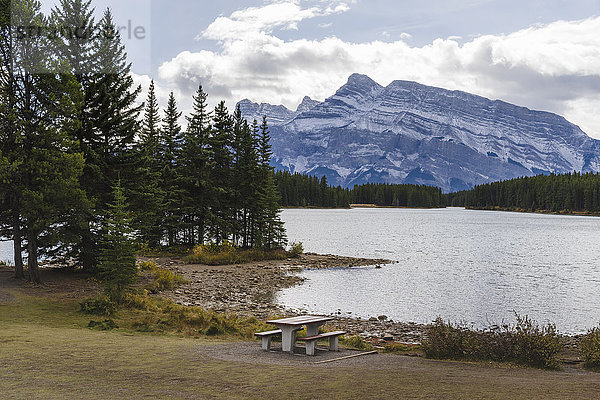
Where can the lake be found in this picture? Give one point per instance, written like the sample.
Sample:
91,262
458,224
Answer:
476,267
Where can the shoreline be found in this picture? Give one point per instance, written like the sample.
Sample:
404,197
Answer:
250,290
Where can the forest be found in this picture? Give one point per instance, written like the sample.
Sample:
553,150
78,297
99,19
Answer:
573,192
301,190
89,175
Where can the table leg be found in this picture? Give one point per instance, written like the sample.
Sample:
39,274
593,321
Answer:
313,329
288,338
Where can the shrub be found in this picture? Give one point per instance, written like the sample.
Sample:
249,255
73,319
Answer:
296,249
356,342
589,349
525,343
162,278
154,314
105,325
101,305
534,345
227,253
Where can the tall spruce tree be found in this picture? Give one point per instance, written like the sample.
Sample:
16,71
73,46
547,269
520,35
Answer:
145,191
114,124
195,164
246,172
219,142
11,145
271,233
171,182
44,110
77,45
117,257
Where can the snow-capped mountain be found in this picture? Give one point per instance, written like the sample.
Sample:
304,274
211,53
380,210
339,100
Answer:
412,133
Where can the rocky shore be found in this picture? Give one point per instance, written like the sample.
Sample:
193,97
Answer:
250,289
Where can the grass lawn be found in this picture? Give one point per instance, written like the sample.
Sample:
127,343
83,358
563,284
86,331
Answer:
47,352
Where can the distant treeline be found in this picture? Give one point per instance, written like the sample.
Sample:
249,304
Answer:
299,190
572,192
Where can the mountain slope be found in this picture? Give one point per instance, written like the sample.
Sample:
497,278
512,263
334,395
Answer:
412,133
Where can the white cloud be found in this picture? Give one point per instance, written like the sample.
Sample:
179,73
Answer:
256,21
554,67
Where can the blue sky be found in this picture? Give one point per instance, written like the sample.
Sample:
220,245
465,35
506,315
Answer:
539,54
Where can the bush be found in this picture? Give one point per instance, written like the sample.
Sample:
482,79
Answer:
525,343
589,349
227,253
155,314
296,249
102,305
162,278
356,342
105,325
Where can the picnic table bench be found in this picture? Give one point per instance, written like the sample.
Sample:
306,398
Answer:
288,327
311,341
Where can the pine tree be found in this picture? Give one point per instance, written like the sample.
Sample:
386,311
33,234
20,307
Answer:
43,112
11,184
145,191
244,180
74,21
271,233
171,182
219,141
117,257
113,126
150,126
194,168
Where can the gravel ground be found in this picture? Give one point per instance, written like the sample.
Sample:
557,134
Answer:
252,353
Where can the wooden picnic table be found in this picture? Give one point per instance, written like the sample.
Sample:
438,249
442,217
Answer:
289,327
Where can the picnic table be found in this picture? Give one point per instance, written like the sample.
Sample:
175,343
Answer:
289,327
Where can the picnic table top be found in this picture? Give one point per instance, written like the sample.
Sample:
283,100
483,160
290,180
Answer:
301,320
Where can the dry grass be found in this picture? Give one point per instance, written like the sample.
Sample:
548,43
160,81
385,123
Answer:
48,353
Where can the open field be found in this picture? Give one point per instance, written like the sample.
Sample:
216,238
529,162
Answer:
48,353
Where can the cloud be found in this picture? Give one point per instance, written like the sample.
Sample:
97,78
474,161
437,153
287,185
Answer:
554,67
256,21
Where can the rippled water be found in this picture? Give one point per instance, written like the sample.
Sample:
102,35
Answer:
478,267
6,252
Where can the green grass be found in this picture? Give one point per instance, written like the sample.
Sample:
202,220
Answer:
48,353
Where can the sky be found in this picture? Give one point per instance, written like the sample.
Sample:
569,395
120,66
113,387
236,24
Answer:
543,55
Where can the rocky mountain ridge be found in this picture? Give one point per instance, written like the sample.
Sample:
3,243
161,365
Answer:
412,133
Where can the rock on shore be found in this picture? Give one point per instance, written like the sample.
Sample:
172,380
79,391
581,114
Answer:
250,289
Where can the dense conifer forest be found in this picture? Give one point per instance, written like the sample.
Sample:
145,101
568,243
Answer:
300,190
572,192
84,167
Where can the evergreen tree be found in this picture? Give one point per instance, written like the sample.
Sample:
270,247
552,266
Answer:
218,144
113,120
75,24
245,183
145,191
150,126
117,258
194,168
11,144
271,233
172,185
44,111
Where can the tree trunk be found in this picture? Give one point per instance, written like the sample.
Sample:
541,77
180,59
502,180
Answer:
32,255
88,259
17,246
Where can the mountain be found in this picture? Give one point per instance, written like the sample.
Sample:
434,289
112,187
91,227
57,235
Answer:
412,133
276,115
